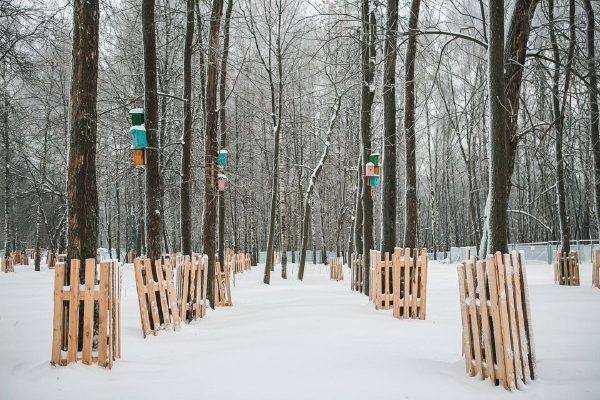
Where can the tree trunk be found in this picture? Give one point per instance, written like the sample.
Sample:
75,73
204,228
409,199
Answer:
223,122
368,57
82,192
388,198
411,221
593,100
210,148
7,204
186,151
153,214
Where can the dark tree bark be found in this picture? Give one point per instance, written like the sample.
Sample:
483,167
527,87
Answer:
223,122
388,198
82,192
514,61
368,55
498,190
7,196
593,100
559,118
411,219
153,214
358,211
186,153
210,147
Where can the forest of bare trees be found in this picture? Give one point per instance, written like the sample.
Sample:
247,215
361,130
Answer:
486,114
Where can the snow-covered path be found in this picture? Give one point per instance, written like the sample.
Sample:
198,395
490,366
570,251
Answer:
292,340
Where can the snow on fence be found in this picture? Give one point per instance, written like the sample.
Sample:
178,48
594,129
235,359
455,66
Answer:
156,295
74,335
357,273
335,268
400,282
191,284
496,319
566,269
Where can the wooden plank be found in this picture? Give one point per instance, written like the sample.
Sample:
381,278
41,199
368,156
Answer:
162,294
387,270
57,325
171,294
151,285
423,284
142,291
514,336
505,324
396,269
88,311
405,298
228,286
490,266
415,283
103,315
577,282
466,330
527,316
486,336
73,312
184,293
520,319
471,301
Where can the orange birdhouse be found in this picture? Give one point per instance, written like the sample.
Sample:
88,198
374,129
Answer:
139,157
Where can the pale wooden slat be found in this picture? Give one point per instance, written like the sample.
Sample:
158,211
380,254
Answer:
151,285
141,290
423,287
88,311
396,269
415,283
162,294
514,336
496,320
466,329
103,315
505,324
406,303
57,325
527,316
474,320
520,319
73,312
485,321
171,295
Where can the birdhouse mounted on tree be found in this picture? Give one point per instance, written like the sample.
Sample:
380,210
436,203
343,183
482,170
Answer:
221,178
139,157
374,181
374,158
369,169
222,158
137,116
138,137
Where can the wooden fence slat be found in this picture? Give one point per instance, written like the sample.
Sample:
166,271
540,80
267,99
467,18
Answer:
505,324
57,325
396,282
485,321
88,311
103,314
415,283
495,306
520,318
151,285
423,287
508,270
174,312
474,321
73,312
527,316
406,302
466,336
142,290
162,293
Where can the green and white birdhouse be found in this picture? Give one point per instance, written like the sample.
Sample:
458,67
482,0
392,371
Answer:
137,116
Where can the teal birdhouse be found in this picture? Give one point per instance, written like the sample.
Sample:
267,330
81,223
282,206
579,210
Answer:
374,181
137,116
222,158
138,137
374,158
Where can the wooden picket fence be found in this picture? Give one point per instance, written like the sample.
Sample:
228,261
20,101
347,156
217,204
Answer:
596,269
566,269
192,281
156,295
241,262
98,339
400,282
357,273
496,319
336,272
7,264
222,284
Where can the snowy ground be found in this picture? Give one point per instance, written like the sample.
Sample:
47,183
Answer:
292,340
